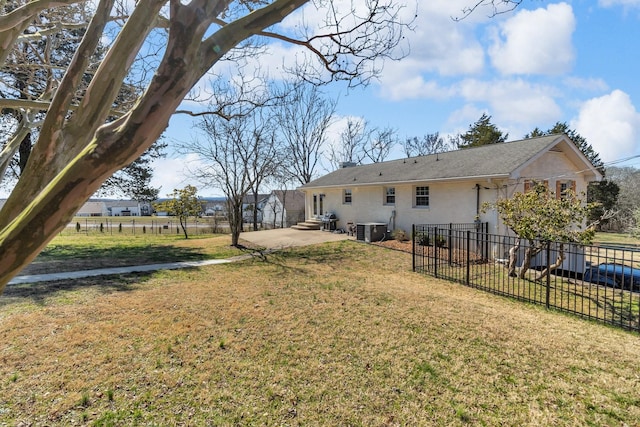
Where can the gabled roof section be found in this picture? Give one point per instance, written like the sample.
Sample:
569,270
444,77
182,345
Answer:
488,161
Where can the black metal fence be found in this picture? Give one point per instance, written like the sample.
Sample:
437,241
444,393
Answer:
595,282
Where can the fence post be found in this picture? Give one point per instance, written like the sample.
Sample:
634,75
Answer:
450,244
435,252
486,241
413,247
468,257
548,297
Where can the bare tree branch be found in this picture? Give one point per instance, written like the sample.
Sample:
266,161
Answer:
497,7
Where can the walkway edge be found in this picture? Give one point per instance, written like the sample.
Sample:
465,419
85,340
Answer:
66,275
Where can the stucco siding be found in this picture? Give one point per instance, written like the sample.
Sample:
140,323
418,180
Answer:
554,166
458,182
448,202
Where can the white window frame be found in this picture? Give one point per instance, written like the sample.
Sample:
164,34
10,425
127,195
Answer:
416,196
347,193
389,192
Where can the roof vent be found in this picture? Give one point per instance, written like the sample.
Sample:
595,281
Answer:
346,165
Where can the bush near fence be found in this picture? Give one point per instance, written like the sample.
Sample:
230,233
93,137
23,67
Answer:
475,258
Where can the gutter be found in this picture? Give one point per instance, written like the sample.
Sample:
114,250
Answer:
415,181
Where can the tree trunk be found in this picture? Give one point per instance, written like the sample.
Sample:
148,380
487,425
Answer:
526,262
559,260
282,214
255,210
235,220
513,258
183,225
529,253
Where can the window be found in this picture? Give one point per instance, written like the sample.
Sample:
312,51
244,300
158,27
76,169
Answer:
422,197
346,196
390,196
315,204
563,186
530,184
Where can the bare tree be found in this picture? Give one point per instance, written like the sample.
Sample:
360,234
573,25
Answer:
304,118
350,147
81,143
380,143
236,156
430,143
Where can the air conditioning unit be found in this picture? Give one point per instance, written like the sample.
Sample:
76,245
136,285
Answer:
371,231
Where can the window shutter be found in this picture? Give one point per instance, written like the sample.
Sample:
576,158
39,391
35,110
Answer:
527,185
558,189
573,186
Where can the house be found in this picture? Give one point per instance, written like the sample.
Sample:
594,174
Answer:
247,206
447,187
215,207
127,208
283,208
93,208
108,207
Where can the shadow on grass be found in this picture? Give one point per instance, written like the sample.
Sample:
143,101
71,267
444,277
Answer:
63,290
325,253
61,258
72,257
157,253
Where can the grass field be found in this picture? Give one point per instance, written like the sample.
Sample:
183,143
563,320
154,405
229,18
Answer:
334,334
80,252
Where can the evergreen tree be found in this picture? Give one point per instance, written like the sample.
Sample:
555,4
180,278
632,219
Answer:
482,132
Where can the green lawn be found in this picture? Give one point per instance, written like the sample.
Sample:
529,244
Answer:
617,238
335,334
69,252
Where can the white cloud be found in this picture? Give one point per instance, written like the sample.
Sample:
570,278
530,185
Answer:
624,3
414,87
440,46
611,124
513,101
536,42
588,84
172,173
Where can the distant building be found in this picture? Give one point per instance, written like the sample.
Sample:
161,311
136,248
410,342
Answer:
93,208
283,208
215,207
107,207
247,206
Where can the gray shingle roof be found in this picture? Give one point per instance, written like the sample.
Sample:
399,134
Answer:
495,160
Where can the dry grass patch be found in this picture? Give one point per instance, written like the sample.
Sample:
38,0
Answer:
335,334
80,252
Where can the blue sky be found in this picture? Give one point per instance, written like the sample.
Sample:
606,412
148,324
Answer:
572,61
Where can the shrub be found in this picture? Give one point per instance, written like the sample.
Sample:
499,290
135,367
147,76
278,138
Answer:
423,239
399,235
